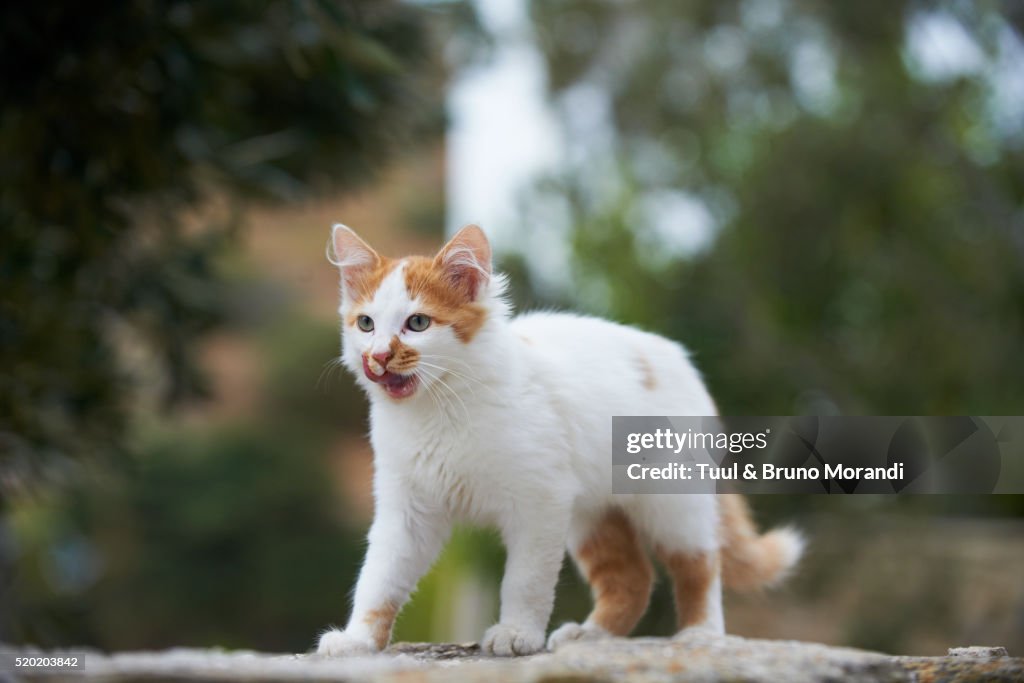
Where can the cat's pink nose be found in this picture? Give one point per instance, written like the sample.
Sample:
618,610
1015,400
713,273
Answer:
383,357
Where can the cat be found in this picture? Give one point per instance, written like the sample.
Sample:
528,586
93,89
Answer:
480,417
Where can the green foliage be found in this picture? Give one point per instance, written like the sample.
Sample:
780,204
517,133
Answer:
866,251
307,389
117,117
231,535
471,557
213,539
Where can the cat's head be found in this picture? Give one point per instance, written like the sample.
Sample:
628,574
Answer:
406,323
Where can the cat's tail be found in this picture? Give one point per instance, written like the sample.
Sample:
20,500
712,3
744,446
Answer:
751,560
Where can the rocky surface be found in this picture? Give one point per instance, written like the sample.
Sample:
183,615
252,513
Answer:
688,657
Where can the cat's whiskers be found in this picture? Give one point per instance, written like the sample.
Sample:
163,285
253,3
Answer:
439,356
455,395
437,378
329,369
445,408
466,367
433,392
461,376
466,375
448,408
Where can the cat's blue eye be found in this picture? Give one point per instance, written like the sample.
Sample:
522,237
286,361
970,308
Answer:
418,322
365,323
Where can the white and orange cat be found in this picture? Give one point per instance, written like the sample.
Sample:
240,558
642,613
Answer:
481,417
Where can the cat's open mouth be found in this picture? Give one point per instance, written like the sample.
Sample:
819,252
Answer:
395,384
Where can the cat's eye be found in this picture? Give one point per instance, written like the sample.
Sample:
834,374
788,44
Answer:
365,323
418,322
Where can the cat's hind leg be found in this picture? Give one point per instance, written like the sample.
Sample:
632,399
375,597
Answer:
697,586
684,532
610,555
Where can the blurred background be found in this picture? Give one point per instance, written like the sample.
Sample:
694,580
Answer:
824,201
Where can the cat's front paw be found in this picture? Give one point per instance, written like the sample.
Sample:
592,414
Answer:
337,643
505,640
571,631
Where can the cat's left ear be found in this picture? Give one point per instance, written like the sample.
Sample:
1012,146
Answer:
466,261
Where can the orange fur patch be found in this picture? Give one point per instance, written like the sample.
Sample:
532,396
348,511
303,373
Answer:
647,376
749,560
447,305
380,621
738,533
362,281
619,572
403,358
692,575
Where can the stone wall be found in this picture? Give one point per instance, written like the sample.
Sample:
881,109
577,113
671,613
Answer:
691,656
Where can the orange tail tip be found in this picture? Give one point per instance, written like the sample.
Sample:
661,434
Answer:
751,560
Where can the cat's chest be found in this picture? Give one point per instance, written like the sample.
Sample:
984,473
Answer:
455,465
454,472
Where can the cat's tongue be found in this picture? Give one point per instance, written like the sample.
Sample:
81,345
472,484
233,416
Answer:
396,386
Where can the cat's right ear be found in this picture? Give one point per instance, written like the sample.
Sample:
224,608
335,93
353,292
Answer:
354,258
466,261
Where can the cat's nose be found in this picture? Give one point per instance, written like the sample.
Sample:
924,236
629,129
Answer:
383,357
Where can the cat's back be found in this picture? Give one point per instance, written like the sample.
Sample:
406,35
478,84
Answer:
560,332
627,370
569,337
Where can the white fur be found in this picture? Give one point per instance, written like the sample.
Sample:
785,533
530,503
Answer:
513,430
